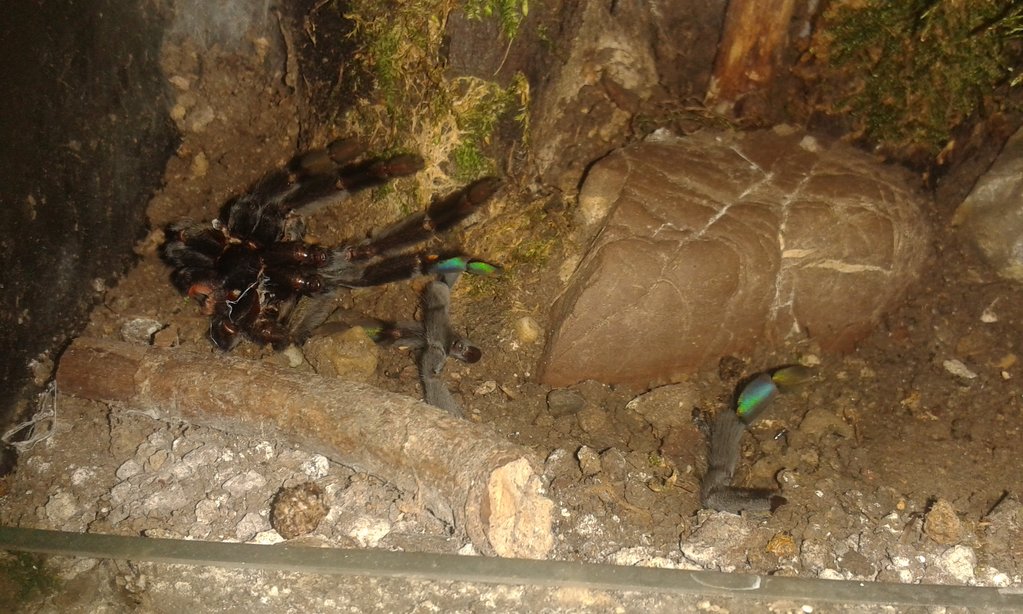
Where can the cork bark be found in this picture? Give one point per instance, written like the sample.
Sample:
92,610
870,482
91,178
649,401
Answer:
462,472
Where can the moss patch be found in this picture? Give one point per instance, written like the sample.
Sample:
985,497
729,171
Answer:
907,74
415,104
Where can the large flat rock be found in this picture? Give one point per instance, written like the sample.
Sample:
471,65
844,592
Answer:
714,244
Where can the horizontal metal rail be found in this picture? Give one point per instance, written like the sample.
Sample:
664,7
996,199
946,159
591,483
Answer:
450,567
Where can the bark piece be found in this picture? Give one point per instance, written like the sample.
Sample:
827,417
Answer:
462,472
755,33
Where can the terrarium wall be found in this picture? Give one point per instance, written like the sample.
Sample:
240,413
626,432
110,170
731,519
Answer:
85,135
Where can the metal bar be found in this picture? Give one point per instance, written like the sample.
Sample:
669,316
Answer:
449,567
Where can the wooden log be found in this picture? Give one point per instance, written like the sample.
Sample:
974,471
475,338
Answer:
464,473
755,33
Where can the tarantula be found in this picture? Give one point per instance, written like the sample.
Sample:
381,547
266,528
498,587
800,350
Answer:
249,268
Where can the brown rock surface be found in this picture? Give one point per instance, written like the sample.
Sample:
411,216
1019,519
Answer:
992,214
717,243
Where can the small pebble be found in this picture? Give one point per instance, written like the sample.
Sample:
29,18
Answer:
527,330
589,461
181,83
82,475
369,531
166,337
942,524
140,330
200,165
249,526
61,507
957,368
562,402
316,467
294,356
207,511
810,360
243,483
348,354
178,112
485,388
156,460
988,316
297,510
199,118
958,562
127,469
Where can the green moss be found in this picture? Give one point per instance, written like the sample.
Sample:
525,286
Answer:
470,161
536,252
478,117
415,104
910,72
510,13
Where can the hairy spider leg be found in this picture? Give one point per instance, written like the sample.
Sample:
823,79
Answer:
224,333
296,253
457,265
329,159
254,314
438,334
343,272
256,217
440,216
336,186
267,328
412,336
248,270
227,325
286,282
260,215
191,250
190,244
466,351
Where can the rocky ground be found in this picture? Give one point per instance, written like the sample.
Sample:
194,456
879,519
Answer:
897,461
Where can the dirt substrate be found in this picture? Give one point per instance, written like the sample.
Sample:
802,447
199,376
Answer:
898,462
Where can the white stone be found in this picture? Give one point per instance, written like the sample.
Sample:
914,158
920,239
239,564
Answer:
128,468
316,467
251,524
244,482
207,511
957,368
164,500
82,475
369,531
992,214
958,562
61,507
